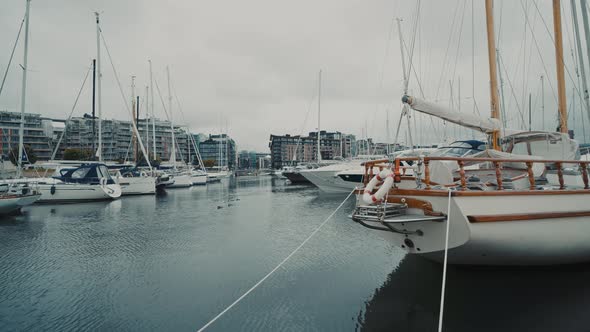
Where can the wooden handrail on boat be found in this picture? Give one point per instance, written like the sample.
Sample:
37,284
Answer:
498,174
462,174
427,173
584,174
529,169
560,175
462,161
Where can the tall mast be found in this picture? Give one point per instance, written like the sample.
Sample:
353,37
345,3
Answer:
134,117
147,122
587,33
137,126
173,149
543,102
319,103
493,70
562,105
406,108
387,139
153,112
502,99
226,146
93,104
189,146
98,87
401,47
530,113
23,99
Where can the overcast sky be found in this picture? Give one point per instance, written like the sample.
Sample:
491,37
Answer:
250,67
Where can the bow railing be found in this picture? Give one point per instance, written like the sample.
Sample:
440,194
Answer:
400,170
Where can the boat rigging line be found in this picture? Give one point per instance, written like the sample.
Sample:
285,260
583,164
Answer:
312,99
406,73
147,159
569,74
12,55
418,82
526,16
382,75
174,141
70,115
579,64
445,263
501,62
446,52
314,232
190,136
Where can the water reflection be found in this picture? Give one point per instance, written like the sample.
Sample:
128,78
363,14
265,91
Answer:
480,299
171,262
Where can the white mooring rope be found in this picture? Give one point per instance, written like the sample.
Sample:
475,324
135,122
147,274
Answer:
444,276
276,267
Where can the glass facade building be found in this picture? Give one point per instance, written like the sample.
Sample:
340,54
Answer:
220,150
288,150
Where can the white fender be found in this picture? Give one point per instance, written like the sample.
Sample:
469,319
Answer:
385,179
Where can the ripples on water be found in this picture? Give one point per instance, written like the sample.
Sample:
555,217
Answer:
172,262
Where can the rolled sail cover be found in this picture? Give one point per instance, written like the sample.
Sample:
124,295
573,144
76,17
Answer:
472,121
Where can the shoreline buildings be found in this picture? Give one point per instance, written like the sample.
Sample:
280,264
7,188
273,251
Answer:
42,134
219,151
287,150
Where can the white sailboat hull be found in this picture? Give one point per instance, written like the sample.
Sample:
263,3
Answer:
144,185
538,240
199,179
11,204
181,181
76,192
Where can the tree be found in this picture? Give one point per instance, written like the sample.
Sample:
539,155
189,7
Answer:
156,162
209,163
32,158
78,154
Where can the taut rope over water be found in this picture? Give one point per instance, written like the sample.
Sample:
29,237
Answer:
444,276
276,267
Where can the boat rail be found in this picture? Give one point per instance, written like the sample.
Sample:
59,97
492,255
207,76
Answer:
399,170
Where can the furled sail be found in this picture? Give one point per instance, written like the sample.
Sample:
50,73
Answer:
483,124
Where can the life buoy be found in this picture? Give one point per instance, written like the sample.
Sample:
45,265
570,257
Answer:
385,179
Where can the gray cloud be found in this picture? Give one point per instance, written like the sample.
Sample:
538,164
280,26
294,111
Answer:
253,64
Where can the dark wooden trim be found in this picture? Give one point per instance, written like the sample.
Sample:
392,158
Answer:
415,203
473,193
445,193
527,216
483,159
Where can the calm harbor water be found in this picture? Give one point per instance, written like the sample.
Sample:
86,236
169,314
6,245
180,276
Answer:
173,261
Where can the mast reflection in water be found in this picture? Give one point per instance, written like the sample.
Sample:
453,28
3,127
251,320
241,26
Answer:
480,299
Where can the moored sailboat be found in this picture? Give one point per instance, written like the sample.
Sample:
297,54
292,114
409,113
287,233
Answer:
500,209
16,194
89,182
